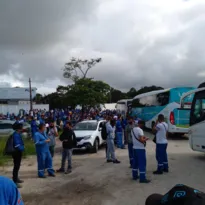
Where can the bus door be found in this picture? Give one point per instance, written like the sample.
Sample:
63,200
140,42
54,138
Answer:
197,122
182,114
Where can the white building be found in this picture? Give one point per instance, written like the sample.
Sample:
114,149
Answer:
16,96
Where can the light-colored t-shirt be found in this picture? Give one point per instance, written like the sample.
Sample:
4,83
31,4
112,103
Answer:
161,135
137,132
51,136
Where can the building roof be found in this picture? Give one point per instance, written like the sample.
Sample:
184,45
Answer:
16,93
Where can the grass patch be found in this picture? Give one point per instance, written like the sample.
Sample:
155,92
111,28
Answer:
29,150
183,126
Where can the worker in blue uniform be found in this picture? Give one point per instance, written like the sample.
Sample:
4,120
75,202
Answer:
44,158
119,133
139,153
161,129
9,193
17,154
34,126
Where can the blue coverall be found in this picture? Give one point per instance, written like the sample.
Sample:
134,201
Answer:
9,193
119,134
34,128
44,158
17,155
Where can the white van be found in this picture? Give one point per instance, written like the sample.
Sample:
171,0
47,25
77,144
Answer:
197,118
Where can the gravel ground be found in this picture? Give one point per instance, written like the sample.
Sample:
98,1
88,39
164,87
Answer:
94,182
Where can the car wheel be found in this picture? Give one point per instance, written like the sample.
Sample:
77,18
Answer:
95,146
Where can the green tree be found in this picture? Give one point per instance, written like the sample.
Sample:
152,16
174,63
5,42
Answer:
38,98
78,68
132,93
88,93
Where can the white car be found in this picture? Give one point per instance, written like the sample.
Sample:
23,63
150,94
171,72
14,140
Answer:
6,128
88,134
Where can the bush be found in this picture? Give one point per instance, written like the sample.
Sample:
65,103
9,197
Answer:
29,149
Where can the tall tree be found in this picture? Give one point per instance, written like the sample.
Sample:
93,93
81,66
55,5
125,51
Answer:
78,68
132,93
38,98
88,92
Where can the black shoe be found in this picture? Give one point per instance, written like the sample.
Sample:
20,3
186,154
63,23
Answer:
68,171
60,170
158,172
20,181
52,175
109,160
166,170
146,181
116,161
42,177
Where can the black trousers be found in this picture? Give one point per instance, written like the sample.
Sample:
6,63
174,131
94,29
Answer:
106,149
17,156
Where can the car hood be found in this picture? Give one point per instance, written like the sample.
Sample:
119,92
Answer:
83,133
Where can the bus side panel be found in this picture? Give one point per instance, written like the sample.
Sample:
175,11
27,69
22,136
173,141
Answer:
147,113
150,112
176,94
197,137
181,117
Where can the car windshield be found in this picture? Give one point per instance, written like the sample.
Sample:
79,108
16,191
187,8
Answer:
86,126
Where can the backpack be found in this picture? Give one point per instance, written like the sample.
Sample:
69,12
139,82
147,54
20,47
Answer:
104,132
9,148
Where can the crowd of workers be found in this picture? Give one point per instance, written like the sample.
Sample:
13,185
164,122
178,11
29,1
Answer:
118,131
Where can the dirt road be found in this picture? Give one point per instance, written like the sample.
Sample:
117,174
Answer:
94,182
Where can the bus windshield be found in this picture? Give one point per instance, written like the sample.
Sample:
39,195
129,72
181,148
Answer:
198,108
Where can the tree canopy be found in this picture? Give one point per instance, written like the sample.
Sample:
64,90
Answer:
85,91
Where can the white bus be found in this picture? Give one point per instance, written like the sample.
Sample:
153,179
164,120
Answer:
149,105
122,106
197,118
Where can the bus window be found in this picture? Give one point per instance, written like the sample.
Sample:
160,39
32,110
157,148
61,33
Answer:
163,98
198,110
187,101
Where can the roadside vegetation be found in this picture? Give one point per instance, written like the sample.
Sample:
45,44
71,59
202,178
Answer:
29,150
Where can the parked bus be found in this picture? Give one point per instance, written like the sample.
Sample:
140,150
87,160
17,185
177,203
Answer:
197,118
122,106
149,105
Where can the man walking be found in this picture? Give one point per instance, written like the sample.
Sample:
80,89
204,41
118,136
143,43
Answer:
69,141
139,153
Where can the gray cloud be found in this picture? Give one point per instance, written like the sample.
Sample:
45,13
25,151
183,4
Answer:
141,43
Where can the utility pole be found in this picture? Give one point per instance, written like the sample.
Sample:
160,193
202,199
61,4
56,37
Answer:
30,92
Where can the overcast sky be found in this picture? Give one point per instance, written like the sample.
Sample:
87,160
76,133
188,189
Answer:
141,42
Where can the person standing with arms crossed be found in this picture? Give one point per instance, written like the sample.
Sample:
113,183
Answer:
139,153
69,142
161,129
